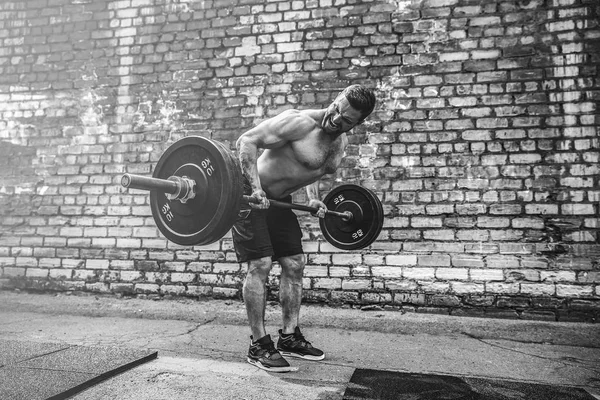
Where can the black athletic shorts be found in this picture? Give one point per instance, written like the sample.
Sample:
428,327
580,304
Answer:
274,232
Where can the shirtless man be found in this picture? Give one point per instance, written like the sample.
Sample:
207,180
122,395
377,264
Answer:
300,146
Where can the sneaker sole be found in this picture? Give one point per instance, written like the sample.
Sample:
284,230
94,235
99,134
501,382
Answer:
260,365
304,357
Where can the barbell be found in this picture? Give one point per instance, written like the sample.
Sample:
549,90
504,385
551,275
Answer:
196,191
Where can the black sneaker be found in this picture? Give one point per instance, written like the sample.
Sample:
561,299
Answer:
295,345
263,354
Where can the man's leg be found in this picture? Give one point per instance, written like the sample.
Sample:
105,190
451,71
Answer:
262,352
255,294
290,290
291,340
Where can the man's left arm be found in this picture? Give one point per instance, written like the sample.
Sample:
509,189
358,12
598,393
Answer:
312,190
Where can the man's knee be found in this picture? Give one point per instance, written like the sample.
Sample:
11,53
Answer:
293,265
260,268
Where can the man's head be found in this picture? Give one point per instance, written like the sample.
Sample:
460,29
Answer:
360,98
350,108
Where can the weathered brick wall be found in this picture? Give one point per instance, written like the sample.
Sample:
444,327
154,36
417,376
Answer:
484,147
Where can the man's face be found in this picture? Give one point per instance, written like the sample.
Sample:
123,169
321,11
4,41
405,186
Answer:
340,117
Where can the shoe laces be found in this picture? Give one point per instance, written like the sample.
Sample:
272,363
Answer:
269,349
299,337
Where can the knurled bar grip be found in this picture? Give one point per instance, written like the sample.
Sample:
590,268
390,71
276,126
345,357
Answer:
172,187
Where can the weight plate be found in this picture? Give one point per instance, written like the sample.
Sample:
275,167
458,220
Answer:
366,225
200,220
236,186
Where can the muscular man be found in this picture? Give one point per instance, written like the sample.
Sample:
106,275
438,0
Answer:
298,148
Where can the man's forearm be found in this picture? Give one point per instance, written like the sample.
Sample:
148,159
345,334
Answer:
248,155
312,191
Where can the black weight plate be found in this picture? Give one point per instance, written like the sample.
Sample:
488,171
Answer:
366,225
199,221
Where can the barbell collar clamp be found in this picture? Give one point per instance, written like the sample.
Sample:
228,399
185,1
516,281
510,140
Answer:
186,189
175,187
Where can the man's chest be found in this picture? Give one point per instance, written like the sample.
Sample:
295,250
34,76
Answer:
314,153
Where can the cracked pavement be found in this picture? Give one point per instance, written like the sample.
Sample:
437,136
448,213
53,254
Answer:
202,346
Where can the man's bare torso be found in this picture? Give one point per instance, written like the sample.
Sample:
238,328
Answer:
298,163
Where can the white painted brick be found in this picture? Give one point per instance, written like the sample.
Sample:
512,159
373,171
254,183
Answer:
377,297
129,276
122,264
360,270
401,285
315,271
434,287
84,274
98,264
419,273
533,263
466,288
146,288
538,289
374,259
327,283
502,262
403,259
13,271
177,290
434,260
578,209
198,290
98,287
574,291
467,261
522,275
61,273
558,276
356,284
225,268
319,259
346,259
387,272
49,262
342,272
129,243
74,263
502,288
26,262
104,242
486,274
306,283
36,273
460,274
182,277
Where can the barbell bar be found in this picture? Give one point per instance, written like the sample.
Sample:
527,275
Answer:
181,188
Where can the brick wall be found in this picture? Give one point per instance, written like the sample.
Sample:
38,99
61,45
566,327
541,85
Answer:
484,147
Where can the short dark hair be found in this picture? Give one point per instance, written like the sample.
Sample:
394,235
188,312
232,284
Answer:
360,98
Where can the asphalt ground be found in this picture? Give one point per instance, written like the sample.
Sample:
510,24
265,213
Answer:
202,346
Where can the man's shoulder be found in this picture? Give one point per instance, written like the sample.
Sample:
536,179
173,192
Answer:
298,119
299,114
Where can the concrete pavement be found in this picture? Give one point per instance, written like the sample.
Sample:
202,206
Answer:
202,345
